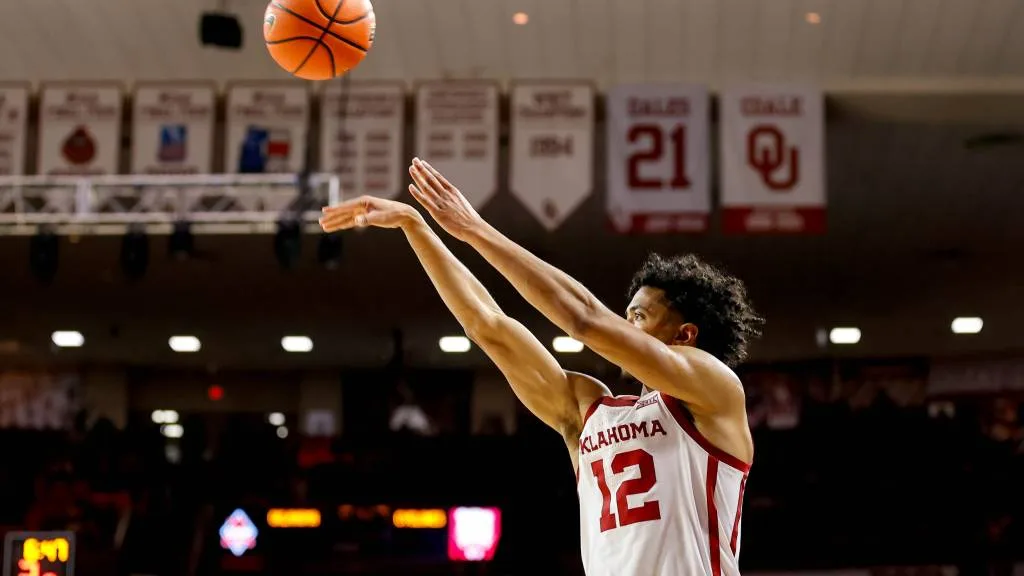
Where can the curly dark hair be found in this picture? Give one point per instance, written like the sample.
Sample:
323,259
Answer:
714,300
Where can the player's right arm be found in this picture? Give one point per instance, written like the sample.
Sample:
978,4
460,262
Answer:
557,397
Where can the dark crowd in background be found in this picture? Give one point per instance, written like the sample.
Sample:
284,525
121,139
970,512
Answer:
857,465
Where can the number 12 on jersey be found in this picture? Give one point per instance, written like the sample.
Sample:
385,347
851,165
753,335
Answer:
623,515
658,158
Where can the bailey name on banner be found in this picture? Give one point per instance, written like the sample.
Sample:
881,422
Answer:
552,148
773,160
658,162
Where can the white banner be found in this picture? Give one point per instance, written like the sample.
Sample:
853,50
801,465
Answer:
267,126
773,159
552,148
172,128
457,132
361,135
658,158
13,125
80,129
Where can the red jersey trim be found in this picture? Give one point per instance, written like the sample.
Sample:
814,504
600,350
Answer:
678,411
739,514
714,545
618,401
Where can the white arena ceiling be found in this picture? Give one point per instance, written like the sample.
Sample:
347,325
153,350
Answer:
873,45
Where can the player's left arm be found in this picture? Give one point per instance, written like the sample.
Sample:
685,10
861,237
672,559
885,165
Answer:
706,385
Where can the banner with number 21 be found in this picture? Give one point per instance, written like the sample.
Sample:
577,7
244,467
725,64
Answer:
658,158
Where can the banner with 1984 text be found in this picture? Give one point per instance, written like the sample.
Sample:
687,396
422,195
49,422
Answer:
80,129
552,148
658,161
361,134
773,160
457,133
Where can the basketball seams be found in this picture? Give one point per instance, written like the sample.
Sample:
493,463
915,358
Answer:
327,31
320,40
334,20
292,39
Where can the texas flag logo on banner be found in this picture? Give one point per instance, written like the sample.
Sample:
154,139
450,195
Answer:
773,160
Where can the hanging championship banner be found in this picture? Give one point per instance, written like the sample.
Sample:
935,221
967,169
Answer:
80,129
361,136
172,128
773,160
658,160
552,148
457,132
13,116
267,125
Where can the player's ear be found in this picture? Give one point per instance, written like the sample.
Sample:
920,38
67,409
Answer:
686,335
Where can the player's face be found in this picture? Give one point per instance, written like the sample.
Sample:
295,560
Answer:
650,311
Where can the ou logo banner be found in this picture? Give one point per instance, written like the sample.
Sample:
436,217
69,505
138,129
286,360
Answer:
773,160
768,155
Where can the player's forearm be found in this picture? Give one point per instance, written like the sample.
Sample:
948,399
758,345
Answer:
563,300
461,292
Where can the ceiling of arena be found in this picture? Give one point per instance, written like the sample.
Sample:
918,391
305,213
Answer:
857,44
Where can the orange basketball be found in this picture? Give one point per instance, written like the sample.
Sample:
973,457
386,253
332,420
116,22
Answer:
319,39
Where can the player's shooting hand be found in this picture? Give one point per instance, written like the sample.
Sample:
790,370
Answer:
443,201
367,211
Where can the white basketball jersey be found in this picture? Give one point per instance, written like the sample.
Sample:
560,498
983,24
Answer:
656,498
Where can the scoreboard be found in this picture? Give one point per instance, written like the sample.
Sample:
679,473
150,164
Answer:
39,554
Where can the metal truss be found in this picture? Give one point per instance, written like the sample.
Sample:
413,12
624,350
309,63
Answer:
212,203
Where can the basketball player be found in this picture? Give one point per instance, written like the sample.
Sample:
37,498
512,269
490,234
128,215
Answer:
660,476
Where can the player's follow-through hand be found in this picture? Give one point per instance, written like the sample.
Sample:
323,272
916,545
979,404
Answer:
367,211
443,201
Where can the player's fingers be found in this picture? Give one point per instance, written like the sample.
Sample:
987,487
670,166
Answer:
337,222
425,200
440,177
422,183
428,176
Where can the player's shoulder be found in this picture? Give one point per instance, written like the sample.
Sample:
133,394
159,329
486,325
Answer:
710,369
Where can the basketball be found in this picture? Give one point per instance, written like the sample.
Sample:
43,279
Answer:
318,39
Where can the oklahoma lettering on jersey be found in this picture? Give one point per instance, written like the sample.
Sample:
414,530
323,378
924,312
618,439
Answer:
656,497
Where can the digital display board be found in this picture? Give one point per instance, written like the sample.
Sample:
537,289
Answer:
39,554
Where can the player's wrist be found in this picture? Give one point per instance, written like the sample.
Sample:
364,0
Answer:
412,220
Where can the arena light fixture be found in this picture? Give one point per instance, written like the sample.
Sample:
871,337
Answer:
282,432
454,344
844,335
172,430
67,339
566,345
521,18
276,419
297,344
184,344
164,417
967,325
